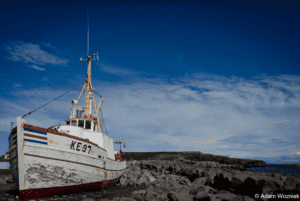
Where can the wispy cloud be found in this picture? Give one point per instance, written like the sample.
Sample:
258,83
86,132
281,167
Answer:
36,67
115,70
45,78
234,117
32,53
48,45
15,85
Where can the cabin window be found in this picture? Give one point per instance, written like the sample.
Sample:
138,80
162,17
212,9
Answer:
68,122
88,125
81,123
74,123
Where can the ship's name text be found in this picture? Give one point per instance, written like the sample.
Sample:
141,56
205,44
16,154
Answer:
79,148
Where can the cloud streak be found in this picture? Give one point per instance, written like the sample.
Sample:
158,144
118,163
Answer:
32,53
37,68
115,71
233,117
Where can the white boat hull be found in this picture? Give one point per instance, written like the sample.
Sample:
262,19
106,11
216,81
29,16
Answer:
45,162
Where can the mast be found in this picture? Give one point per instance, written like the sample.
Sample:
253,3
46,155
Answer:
88,85
89,97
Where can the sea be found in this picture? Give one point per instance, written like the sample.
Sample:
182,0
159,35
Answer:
284,168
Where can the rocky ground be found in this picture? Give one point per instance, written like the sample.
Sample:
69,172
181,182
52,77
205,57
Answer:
183,180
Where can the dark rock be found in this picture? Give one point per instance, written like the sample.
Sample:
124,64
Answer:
197,189
173,196
211,190
182,194
268,186
249,187
151,194
227,196
290,183
235,184
202,196
247,198
143,181
177,169
277,174
221,183
189,180
247,163
128,182
139,195
199,181
188,172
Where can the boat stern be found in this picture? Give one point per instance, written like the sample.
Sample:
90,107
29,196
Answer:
16,154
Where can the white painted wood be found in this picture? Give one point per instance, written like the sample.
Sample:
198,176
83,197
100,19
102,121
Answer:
62,161
99,138
44,173
20,136
64,143
95,137
63,155
109,147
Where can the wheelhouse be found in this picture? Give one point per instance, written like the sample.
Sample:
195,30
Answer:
87,124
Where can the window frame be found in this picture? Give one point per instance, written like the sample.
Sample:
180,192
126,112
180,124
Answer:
75,120
86,123
95,126
83,126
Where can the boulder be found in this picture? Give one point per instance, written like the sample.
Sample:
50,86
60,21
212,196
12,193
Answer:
268,186
290,183
143,181
173,196
183,193
199,181
88,199
228,196
195,180
235,185
126,199
126,182
247,198
195,189
151,194
249,187
139,195
221,183
202,195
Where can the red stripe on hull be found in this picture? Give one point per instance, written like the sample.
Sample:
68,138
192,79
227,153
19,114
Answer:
34,136
63,190
58,133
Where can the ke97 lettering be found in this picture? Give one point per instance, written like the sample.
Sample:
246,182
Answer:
77,146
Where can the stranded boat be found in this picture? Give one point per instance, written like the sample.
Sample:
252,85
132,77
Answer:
65,158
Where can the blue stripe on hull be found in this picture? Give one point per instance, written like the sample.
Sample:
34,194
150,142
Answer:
34,131
35,141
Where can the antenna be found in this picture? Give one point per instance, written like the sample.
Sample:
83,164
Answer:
88,31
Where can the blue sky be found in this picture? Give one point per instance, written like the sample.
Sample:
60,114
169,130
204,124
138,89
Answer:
220,78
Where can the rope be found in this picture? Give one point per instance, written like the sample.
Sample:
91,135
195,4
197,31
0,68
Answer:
97,93
51,101
101,113
104,123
